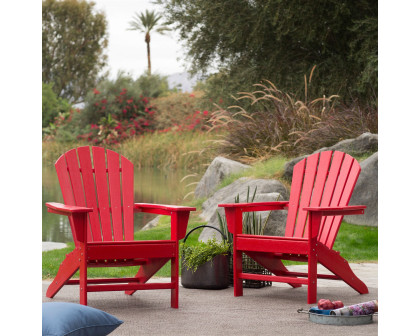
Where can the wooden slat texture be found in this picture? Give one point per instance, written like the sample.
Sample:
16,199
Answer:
333,173
76,182
65,185
345,199
89,188
98,154
127,180
336,197
321,176
295,190
115,193
305,197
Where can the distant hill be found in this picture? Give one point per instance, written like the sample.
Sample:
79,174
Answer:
183,81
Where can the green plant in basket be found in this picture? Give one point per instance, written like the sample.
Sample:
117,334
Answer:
194,256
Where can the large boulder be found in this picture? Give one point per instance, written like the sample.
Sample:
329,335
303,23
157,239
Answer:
365,143
215,173
267,191
366,193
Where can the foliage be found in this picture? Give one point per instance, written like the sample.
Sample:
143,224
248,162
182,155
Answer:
52,105
282,124
145,23
180,111
65,128
73,43
280,41
194,256
153,85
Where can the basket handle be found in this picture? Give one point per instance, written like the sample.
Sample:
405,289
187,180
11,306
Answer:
200,226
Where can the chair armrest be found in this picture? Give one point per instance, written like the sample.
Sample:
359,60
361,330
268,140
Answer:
337,211
66,210
257,206
233,212
179,216
160,209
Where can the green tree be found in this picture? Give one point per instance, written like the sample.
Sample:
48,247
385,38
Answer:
281,40
145,23
73,42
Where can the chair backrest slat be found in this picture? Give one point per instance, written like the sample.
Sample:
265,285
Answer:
305,197
127,181
298,173
85,162
101,178
321,177
350,174
115,193
325,179
331,182
325,231
76,182
65,185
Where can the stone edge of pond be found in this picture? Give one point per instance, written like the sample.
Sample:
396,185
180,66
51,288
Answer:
48,246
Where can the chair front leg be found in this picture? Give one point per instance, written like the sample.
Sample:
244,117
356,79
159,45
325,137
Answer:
312,272
314,223
237,268
80,221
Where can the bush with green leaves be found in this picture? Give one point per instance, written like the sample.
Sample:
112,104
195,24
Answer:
196,255
52,105
122,98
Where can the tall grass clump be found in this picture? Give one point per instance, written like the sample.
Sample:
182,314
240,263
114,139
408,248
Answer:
168,150
282,124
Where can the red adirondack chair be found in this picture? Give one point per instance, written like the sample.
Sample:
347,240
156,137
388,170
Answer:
99,202
321,188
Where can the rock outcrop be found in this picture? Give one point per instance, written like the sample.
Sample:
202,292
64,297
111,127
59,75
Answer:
366,193
215,173
365,143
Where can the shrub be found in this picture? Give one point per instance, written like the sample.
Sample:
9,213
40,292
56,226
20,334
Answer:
52,105
122,99
153,85
180,111
285,125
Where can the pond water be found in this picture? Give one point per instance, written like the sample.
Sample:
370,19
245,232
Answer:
150,186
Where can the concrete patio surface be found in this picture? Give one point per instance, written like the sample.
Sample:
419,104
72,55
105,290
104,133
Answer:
265,311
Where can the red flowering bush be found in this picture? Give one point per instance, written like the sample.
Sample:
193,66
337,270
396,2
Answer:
180,112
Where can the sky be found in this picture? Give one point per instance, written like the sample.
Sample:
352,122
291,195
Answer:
127,50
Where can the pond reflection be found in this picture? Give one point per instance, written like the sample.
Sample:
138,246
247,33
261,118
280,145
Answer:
150,186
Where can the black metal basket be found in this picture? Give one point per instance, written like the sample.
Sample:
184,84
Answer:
213,274
250,266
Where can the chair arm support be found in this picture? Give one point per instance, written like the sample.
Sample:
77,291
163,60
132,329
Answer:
257,206
77,215
337,211
66,210
179,216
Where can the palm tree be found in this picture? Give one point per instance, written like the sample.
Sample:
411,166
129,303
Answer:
145,23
